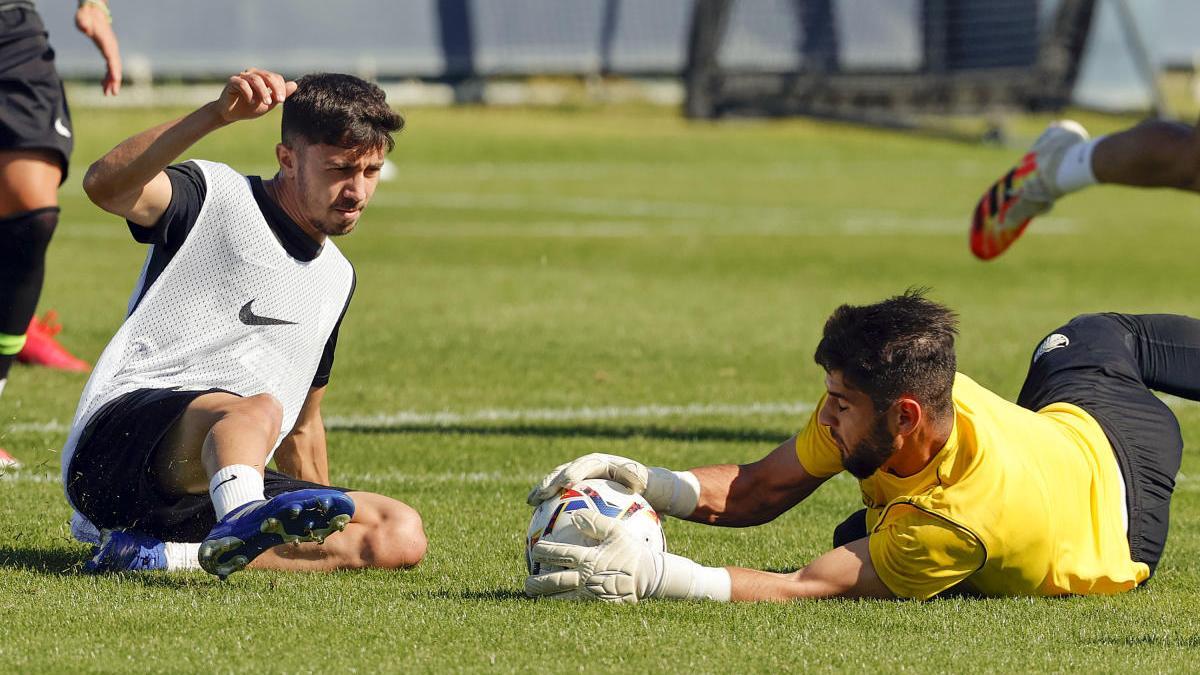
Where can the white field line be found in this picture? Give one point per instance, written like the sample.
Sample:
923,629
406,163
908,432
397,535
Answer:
407,418
849,225
585,414
444,418
590,206
852,224
625,218
9,476
687,216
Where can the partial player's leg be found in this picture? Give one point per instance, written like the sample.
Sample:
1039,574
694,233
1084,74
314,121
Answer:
1063,160
1024,191
226,439
146,460
384,533
218,430
28,215
1156,153
1167,347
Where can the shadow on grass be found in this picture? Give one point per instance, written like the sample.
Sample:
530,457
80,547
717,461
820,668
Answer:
578,431
498,594
1172,641
57,562
491,594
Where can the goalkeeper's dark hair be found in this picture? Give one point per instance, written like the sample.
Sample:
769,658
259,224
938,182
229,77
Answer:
902,345
341,110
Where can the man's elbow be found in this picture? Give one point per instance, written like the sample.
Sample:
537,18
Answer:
96,188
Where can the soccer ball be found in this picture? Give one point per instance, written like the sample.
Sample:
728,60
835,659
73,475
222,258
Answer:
551,519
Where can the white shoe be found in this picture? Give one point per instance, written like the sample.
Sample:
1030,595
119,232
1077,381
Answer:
1025,191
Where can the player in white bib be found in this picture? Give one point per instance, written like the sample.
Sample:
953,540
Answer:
225,354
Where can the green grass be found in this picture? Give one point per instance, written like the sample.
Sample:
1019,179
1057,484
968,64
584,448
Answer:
528,259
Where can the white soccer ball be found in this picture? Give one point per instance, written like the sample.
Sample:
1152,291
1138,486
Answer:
551,519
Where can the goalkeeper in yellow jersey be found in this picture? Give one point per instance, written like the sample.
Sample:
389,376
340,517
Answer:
1068,491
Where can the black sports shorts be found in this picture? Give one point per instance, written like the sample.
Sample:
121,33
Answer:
33,105
109,480
1092,362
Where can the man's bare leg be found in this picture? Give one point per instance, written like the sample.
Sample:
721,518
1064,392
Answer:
384,533
1152,154
219,430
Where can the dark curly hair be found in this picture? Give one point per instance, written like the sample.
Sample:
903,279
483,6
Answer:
902,345
341,110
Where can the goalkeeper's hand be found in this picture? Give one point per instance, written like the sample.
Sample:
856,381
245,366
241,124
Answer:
674,493
618,569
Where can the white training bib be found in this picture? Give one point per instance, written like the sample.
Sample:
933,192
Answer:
231,310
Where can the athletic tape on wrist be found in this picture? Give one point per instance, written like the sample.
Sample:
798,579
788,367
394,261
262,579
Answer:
674,493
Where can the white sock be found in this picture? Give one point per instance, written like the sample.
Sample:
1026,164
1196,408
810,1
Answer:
1075,170
3,381
234,485
182,556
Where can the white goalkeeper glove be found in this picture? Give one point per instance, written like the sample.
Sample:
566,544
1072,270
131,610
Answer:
673,493
620,568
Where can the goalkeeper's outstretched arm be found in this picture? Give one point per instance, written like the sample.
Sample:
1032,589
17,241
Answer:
844,572
751,494
725,494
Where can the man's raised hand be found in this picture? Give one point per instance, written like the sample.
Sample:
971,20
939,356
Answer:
94,20
252,93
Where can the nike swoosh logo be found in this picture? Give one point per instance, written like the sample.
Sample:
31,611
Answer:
218,485
251,319
61,128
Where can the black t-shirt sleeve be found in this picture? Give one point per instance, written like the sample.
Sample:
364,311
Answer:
187,197
325,367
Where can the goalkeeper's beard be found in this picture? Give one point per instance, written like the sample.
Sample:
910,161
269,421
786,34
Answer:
872,452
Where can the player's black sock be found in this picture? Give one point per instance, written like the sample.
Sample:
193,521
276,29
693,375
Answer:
1168,352
24,238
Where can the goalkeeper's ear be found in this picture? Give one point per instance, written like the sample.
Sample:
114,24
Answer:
595,525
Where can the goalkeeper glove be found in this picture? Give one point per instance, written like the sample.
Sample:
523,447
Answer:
620,568
674,493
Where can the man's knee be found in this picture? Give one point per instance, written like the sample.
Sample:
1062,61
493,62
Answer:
394,536
263,409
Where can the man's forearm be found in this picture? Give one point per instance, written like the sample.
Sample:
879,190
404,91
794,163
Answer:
303,455
115,180
844,572
731,496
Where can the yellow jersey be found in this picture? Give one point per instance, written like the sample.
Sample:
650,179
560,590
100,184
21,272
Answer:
1016,503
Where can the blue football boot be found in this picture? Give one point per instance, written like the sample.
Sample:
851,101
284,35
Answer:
127,551
291,517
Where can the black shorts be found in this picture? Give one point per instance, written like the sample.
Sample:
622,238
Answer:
33,105
110,482
1092,362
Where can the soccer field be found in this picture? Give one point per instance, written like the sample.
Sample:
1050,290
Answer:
538,284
